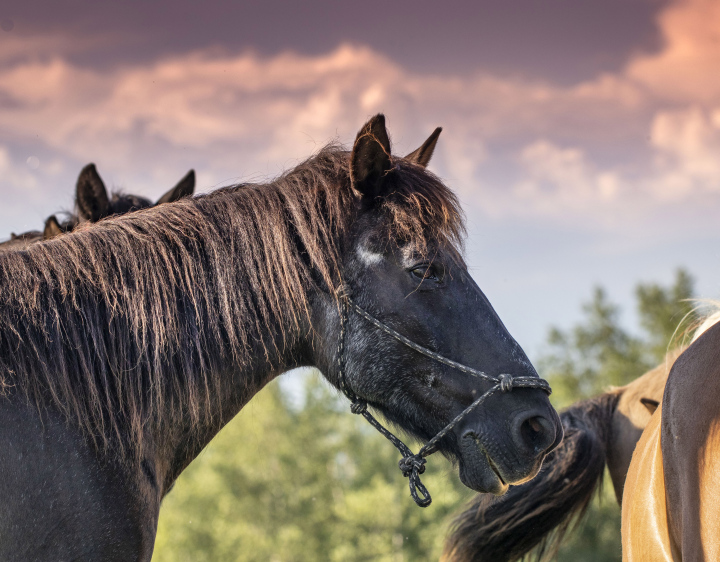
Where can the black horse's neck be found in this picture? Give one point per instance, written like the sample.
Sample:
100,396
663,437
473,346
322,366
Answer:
150,331
275,339
173,447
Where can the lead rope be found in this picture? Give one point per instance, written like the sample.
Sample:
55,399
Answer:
413,465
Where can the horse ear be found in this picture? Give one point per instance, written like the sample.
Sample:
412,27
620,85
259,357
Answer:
370,159
91,195
52,228
422,155
650,404
184,187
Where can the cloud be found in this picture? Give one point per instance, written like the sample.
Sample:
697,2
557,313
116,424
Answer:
18,48
14,175
205,97
563,178
244,114
576,153
23,183
686,69
688,152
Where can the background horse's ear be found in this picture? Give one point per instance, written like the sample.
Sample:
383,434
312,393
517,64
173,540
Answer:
184,187
650,404
370,158
52,228
91,195
422,155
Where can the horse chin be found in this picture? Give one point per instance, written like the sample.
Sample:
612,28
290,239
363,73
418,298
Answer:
479,473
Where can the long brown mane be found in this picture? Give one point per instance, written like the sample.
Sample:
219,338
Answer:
144,319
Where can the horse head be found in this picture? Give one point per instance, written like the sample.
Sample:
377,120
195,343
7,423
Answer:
93,202
402,263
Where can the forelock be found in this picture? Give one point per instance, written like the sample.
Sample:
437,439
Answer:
422,210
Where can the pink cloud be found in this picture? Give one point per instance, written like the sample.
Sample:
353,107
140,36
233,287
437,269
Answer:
686,70
236,116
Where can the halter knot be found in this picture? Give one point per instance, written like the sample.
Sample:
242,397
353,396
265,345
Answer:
410,464
358,407
506,383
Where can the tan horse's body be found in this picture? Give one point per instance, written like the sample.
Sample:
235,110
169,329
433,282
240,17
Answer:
609,428
671,505
644,527
631,416
599,432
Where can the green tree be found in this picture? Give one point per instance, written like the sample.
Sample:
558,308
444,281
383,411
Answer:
593,355
598,352
307,484
665,313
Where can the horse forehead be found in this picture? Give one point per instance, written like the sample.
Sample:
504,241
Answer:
367,254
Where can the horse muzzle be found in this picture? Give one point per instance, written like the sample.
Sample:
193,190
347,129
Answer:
491,460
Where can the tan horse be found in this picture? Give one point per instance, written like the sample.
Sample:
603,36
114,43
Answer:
671,508
598,432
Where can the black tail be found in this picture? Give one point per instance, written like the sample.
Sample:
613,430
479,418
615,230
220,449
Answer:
537,514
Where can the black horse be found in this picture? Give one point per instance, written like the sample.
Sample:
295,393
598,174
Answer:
92,203
126,346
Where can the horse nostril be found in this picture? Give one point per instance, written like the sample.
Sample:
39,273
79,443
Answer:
537,433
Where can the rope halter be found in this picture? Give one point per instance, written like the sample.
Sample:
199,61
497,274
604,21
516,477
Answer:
412,464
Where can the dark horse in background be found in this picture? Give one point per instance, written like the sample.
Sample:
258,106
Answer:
92,203
126,346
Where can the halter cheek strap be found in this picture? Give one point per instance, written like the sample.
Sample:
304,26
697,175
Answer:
413,465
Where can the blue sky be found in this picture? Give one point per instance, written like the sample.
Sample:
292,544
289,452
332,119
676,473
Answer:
582,137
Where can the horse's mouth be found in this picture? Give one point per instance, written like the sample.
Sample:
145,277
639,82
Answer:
493,467
477,469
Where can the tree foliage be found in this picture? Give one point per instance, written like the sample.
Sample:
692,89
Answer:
599,352
309,484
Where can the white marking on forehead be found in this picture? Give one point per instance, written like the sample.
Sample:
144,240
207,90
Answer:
367,257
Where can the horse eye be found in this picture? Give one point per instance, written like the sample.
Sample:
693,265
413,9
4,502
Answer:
423,272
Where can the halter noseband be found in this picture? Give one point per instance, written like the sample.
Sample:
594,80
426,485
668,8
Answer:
413,465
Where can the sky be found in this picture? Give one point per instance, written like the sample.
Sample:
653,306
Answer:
583,138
